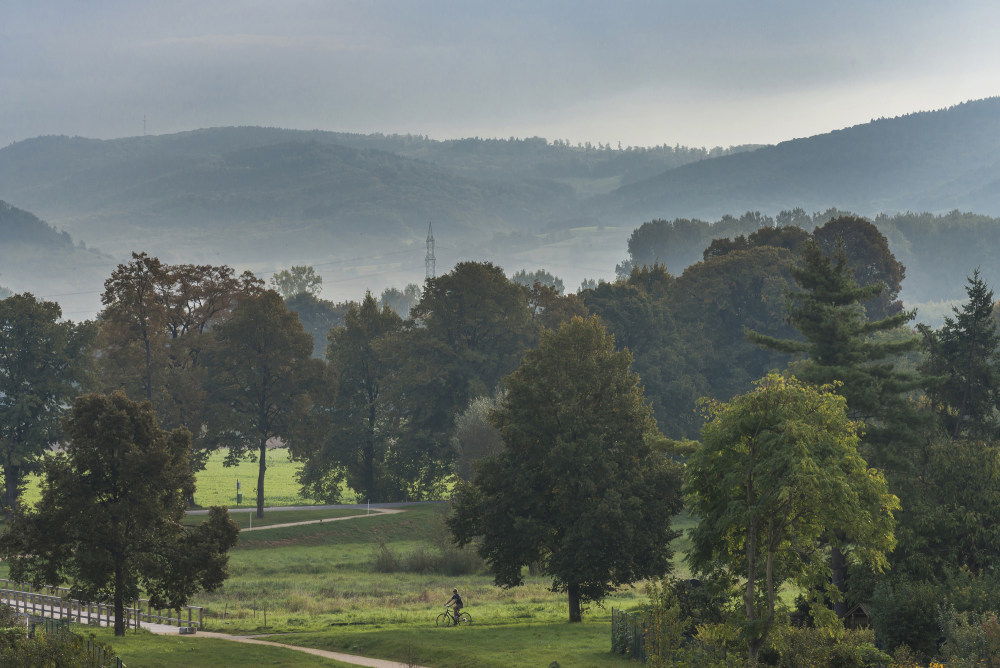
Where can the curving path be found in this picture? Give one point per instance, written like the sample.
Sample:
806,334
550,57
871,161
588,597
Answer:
251,640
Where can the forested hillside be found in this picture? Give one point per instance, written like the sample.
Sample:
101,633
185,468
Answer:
929,161
256,192
358,206
36,257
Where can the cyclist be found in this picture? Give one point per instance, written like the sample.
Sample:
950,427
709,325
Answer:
455,603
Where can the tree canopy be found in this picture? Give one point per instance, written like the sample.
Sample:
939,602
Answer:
577,488
109,520
263,382
357,448
44,363
777,475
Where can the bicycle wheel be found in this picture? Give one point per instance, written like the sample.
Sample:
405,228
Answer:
465,618
443,620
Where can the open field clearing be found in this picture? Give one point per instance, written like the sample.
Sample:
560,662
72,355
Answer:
318,586
373,586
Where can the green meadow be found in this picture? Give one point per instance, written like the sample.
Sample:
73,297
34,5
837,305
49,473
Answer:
372,586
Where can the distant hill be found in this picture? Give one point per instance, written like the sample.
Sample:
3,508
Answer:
37,258
357,206
930,161
262,192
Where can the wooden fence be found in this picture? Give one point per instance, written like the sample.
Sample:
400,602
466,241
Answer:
54,602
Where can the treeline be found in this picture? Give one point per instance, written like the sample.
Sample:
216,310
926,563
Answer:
938,250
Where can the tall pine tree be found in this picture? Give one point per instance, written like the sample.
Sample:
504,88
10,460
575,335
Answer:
963,366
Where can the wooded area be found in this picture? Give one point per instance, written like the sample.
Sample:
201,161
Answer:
568,418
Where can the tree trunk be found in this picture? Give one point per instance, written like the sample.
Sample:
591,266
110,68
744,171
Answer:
11,478
369,456
574,602
119,596
260,477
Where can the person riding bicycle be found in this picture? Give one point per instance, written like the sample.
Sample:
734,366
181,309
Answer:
455,603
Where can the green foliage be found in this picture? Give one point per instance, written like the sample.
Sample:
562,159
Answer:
806,647
109,518
841,344
468,331
400,301
540,276
577,489
867,252
155,327
777,476
950,515
964,366
296,281
59,648
262,383
475,436
970,639
318,317
905,613
44,363
358,447
442,558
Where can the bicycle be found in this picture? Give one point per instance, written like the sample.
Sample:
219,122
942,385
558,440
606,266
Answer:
447,618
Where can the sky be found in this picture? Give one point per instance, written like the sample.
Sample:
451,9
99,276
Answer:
635,72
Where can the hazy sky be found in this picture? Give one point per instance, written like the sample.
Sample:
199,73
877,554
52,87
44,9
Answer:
693,72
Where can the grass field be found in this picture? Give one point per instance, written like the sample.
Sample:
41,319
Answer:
316,586
216,485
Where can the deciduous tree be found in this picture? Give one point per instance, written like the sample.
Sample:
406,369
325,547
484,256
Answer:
778,473
262,382
468,331
577,488
44,363
297,280
109,520
362,423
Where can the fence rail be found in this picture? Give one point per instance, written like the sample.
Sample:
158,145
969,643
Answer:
54,602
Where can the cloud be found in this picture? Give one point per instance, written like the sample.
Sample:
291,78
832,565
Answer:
561,68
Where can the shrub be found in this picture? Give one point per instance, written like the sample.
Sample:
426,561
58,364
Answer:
678,633
905,613
384,559
805,647
446,559
970,638
61,648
